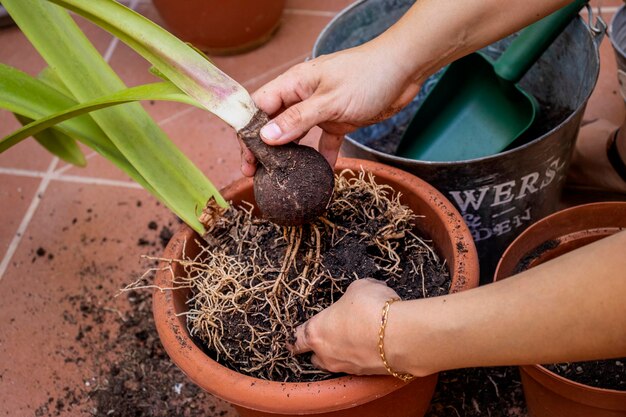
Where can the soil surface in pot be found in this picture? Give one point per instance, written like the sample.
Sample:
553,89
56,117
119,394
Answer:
254,282
607,374
547,118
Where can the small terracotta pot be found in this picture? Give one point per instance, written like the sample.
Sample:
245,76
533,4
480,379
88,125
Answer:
342,396
548,394
221,27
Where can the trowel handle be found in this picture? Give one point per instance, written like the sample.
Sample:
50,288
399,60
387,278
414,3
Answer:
532,41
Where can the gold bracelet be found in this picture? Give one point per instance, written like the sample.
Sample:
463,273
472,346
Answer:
381,343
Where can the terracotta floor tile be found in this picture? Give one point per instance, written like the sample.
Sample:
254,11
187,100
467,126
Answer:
28,154
606,101
210,143
17,51
293,41
83,242
292,44
16,194
606,3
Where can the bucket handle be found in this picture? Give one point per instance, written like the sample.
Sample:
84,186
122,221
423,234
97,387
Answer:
597,27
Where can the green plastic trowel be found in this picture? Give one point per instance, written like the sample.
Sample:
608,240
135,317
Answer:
477,109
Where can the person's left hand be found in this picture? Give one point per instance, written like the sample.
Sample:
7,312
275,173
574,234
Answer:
344,337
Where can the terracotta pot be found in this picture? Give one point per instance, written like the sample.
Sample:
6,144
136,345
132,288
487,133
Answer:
222,27
548,394
344,396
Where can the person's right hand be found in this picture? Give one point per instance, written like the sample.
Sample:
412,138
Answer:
338,92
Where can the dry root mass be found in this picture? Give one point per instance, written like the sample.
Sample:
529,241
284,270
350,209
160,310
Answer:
254,282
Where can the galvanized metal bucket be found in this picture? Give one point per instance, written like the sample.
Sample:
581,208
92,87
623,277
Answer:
500,195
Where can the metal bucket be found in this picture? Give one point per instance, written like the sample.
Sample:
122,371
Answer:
500,195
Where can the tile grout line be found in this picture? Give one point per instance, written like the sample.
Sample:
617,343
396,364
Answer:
95,181
115,41
28,216
69,166
22,172
608,9
58,176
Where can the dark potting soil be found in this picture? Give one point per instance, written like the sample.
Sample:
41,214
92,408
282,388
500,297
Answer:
299,271
127,371
535,254
547,118
479,392
607,374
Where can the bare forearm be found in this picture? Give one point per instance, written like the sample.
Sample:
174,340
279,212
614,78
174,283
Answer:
434,33
569,309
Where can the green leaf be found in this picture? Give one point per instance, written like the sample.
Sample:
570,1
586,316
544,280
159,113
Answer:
51,78
157,91
29,97
191,71
26,95
179,184
58,144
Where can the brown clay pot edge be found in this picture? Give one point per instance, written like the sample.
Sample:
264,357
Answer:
571,228
305,398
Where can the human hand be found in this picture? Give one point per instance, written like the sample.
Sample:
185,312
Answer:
344,337
338,92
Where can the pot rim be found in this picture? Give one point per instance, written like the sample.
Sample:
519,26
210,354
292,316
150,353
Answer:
303,397
579,209
577,385
540,373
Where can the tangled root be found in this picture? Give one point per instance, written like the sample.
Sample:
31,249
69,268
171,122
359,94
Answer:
254,281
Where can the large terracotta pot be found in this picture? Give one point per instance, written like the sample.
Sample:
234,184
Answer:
548,394
222,26
344,396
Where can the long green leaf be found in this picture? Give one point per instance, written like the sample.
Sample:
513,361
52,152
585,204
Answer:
87,76
157,91
30,97
58,144
51,78
176,60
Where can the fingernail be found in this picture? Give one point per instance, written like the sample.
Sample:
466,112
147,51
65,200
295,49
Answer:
271,131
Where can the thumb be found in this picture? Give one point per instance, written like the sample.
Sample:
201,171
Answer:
294,122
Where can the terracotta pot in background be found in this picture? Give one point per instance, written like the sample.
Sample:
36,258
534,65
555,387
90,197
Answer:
373,396
222,27
548,394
